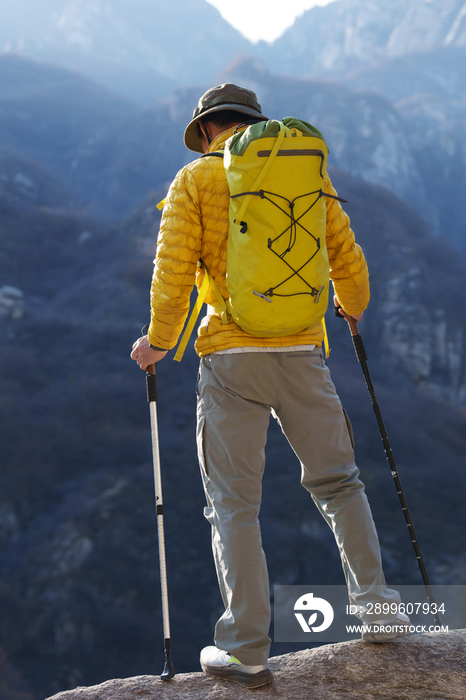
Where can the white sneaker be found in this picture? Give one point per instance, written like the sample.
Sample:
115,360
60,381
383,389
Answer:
223,665
386,630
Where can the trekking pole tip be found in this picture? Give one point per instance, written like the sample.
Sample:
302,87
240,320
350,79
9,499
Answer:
168,671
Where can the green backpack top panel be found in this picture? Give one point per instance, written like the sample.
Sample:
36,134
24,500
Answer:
239,142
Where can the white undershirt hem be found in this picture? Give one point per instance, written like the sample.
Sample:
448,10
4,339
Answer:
289,348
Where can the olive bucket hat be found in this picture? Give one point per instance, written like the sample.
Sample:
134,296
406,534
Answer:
227,96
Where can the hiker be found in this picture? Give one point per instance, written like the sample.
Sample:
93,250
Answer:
242,379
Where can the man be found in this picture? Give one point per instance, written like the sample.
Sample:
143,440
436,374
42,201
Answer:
242,380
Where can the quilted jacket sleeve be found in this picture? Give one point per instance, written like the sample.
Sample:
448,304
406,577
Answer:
178,252
348,267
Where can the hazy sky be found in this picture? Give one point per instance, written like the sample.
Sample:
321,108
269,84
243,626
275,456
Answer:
263,19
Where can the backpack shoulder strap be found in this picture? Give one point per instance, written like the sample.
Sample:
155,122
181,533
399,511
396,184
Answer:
281,135
219,154
220,307
193,318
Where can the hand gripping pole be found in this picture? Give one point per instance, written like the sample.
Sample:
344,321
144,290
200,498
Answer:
151,383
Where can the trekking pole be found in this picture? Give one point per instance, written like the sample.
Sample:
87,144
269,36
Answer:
362,359
151,383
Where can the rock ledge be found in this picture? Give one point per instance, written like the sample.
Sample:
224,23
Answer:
417,667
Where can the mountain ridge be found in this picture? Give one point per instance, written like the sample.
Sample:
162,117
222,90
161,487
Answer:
142,53
347,34
153,44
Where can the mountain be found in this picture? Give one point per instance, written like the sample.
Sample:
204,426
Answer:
439,71
426,91
405,135
140,49
145,49
109,151
53,115
28,182
113,152
392,117
426,25
347,34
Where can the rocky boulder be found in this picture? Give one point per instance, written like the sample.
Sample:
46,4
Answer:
416,667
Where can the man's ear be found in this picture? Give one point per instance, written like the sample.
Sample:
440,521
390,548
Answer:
205,131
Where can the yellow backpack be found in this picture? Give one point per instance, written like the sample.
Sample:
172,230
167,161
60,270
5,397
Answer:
277,264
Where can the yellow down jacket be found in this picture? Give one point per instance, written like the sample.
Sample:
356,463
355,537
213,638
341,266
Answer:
194,227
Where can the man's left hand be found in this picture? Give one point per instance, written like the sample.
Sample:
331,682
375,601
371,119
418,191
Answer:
144,355
356,317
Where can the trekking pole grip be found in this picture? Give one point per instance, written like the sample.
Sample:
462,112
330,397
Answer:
355,335
151,383
357,341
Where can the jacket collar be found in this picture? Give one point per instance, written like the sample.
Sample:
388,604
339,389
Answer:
219,142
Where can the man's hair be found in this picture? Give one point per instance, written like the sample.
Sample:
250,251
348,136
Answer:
224,117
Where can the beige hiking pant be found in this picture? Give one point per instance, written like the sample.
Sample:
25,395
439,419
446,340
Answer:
236,394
